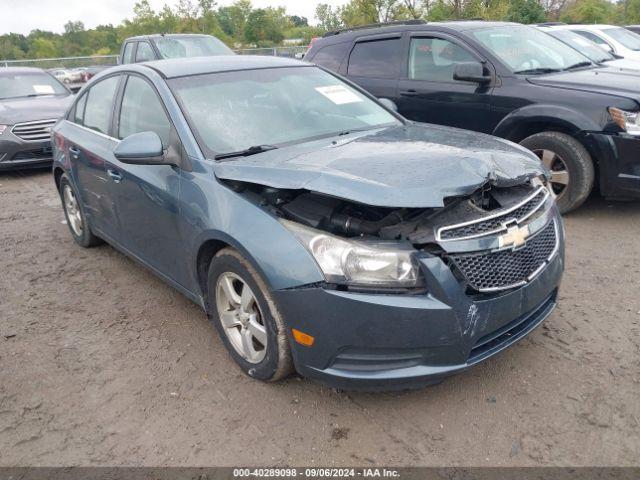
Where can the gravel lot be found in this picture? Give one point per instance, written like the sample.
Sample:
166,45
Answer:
103,364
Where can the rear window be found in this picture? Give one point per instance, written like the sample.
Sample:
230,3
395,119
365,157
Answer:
377,58
331,56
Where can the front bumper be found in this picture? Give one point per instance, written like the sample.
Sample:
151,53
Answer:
618,158
16,153
387,342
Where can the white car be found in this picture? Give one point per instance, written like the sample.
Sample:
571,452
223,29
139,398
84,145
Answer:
617,40
589,49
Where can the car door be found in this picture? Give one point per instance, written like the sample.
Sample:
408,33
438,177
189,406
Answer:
146,196
374,64
427,91
88,144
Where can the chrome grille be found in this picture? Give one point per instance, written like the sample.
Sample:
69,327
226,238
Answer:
34,131
508,268
495,223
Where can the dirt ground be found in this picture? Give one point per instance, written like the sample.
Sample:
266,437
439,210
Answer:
103,364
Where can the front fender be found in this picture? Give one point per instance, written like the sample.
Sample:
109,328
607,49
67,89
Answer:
226,216
565,118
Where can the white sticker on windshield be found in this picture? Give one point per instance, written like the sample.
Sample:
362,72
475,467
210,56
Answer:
43,89
339,94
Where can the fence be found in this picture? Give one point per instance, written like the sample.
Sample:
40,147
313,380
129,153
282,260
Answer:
109,60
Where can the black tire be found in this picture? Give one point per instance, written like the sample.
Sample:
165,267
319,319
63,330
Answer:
85,238
276,363
575,158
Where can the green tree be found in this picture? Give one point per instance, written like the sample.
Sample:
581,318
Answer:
589,11
525,11
328,18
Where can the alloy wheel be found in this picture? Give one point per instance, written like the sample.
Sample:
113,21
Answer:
241,317
73,210
559,171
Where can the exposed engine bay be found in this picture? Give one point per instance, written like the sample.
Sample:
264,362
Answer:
349,219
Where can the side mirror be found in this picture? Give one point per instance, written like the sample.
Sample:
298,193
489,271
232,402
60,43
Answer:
470,72
143,148
390,104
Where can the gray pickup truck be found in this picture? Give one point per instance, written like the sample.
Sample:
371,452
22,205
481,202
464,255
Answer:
145,48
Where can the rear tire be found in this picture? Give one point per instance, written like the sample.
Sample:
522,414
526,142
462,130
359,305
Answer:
572,172
247,318
74,213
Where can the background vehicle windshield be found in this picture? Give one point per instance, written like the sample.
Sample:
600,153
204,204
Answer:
527,50
29,85
232,111
586,47
182,47
625,37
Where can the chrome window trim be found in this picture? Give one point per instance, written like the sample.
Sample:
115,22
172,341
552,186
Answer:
100,134
502,213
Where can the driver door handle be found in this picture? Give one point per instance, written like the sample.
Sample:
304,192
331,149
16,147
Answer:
409,93
74,151
115,176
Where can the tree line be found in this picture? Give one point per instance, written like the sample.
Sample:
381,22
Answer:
241,25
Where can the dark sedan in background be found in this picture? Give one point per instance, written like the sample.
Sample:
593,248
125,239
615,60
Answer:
31,102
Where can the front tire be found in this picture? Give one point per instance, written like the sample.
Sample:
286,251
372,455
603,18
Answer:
247,318
74,213
571,166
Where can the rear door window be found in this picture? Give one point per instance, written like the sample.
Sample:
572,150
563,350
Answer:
144,52
127,54
78,114
99,104
376,58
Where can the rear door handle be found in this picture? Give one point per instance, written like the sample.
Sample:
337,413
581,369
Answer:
115,176
409,93
74,151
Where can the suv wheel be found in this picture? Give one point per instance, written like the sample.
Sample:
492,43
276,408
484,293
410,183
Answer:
247,318
76,220
572,173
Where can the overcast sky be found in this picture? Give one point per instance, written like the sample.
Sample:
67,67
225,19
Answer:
22,16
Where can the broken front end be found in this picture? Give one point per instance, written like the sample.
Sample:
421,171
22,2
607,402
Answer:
416,294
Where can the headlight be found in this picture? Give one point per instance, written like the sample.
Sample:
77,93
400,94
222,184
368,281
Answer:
627,121
360,262
3,128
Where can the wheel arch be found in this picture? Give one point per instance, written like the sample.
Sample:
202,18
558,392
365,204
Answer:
57,175
527,121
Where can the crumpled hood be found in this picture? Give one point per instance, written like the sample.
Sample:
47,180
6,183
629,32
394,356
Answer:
20,110
412,166
603,80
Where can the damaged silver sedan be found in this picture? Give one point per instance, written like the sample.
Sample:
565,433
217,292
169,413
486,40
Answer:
320,231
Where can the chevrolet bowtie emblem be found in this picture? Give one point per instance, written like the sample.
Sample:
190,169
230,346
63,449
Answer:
515,237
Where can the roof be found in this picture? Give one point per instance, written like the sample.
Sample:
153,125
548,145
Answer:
181,67
461,25
19,70
169,35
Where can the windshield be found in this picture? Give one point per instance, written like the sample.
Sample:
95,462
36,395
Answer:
182,47
628,39
15,85
585,46
232,111
528,50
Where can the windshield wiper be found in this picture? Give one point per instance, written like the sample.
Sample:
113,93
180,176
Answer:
246,152
578,65
536,71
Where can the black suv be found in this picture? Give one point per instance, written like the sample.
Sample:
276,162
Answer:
508,80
